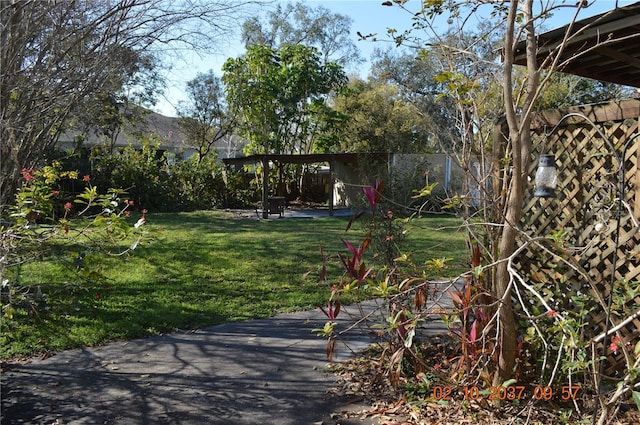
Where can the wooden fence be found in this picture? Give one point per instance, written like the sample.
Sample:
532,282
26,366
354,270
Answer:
584,214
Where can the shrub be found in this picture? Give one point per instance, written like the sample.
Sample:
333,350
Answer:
198,183
77,232
142,171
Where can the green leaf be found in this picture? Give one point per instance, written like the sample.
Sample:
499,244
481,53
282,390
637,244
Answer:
408,342
531,332
509,382
636,398
425,191
477,271
326,331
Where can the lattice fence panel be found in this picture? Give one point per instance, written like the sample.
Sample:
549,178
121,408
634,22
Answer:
584,212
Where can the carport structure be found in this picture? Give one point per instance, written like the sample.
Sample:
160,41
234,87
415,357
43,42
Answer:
352,160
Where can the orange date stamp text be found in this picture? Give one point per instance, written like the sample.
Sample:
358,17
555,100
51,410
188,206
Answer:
510,393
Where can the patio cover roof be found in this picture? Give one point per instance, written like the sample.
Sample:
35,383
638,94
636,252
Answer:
605,47
331,158
304,159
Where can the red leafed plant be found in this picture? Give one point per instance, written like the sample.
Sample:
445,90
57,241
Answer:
471,303
354,265
359,280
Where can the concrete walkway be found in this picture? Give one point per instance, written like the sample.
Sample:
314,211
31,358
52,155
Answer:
263,372
270,371
315,213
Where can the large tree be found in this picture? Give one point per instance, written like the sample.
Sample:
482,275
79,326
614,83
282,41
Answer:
280,96
57,56
300,24
415,79
564,90
379,119
204,116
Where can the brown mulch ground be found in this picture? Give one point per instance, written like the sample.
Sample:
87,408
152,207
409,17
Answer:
412,402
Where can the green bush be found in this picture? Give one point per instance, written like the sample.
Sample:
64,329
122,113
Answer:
155,184
198,184
239,194
141,171
78,233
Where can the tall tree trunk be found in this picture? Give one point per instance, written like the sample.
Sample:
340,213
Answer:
507,338
520,147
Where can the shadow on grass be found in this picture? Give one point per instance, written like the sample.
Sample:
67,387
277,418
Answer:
202,270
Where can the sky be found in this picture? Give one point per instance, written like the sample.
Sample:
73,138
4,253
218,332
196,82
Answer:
369,16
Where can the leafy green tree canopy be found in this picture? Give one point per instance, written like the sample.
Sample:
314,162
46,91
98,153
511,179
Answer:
300,24
380,120
280,97
415,78
564,90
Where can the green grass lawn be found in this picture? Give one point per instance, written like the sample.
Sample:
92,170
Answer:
204,268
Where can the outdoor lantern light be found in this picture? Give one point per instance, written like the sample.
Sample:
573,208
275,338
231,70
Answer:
546,177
